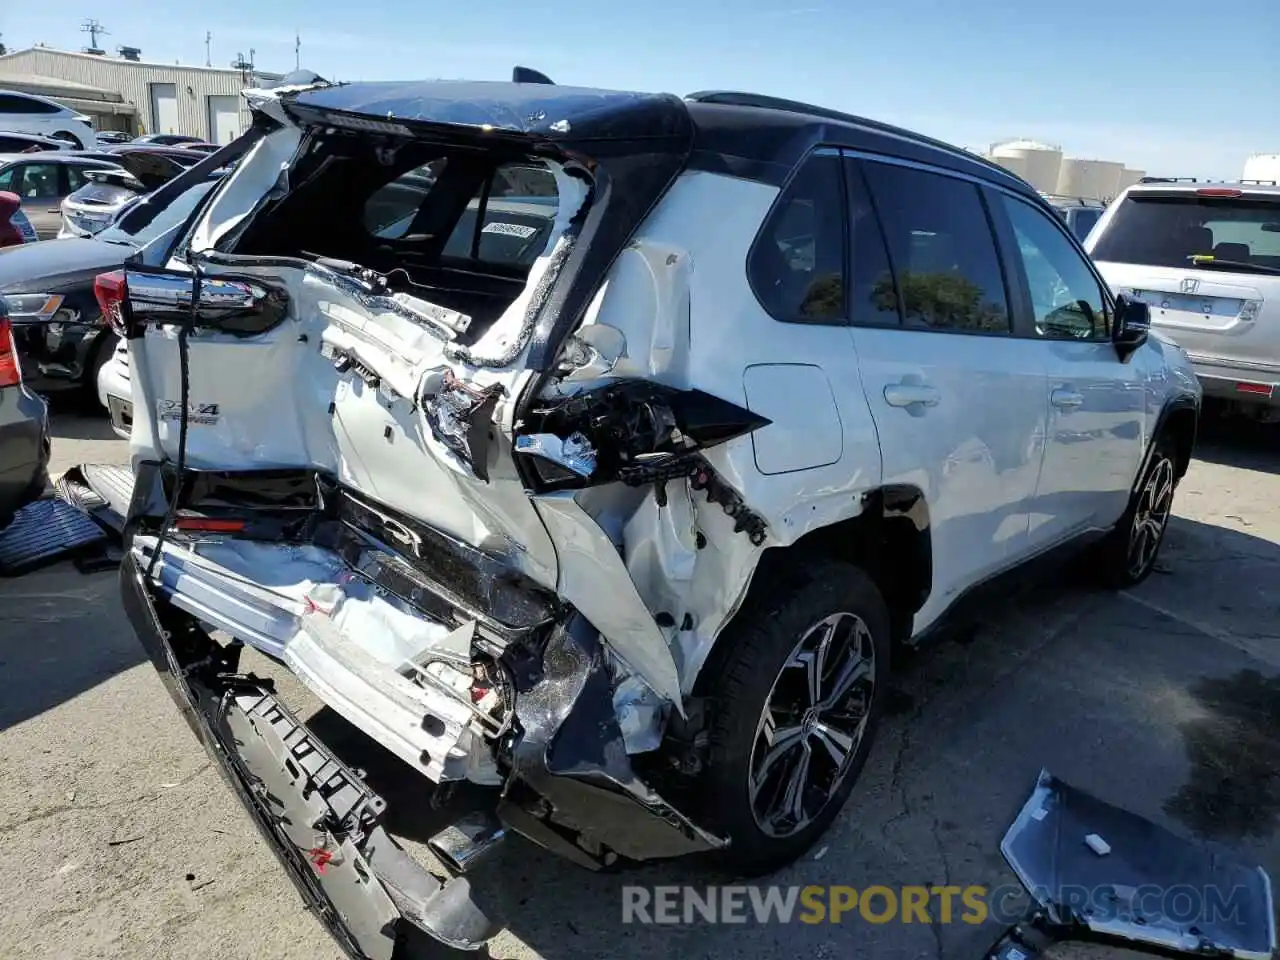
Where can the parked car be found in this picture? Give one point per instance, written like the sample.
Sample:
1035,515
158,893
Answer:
24,433
60,336
1206,258
107,137
15,228
43,180
108,192
1079,213
167,139
200,147
27,113
29,143
558,512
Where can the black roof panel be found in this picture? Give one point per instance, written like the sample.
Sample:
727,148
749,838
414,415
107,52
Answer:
534,109
742,134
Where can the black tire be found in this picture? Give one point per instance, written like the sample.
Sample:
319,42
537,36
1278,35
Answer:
764,639
69,137
1118,562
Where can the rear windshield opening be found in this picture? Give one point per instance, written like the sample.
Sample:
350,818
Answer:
464,225
1168,231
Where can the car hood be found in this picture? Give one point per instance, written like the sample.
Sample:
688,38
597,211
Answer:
47,265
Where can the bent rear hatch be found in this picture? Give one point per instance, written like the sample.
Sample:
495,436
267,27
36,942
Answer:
378,292
1206,259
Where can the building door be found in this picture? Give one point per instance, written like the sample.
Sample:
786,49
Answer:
164,108
224,118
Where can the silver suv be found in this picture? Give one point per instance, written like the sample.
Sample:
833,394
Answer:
1206,257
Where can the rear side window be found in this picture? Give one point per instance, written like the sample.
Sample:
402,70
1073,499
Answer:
873,296
390,212
796,265
1084,222
1165,231
942,248
509,221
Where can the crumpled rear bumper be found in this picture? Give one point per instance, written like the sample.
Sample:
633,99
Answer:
318,816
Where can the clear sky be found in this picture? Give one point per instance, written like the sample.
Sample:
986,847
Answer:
1178,87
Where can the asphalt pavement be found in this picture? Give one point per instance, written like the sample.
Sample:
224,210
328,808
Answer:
117,838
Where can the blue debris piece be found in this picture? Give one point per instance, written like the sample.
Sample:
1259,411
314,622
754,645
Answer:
44,532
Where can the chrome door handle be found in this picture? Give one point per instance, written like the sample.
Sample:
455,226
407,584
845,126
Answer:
1066,399
906,394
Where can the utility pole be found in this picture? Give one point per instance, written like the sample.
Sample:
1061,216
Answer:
297,51
208,36
93,28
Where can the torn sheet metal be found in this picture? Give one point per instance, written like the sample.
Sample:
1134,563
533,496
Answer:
588,559
1150,889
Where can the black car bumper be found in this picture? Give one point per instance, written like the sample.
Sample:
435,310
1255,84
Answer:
24,449
60,356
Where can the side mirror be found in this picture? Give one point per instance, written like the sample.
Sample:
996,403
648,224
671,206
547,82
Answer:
1131,326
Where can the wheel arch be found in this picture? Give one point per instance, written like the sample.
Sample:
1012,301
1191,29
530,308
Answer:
889,539
1179,420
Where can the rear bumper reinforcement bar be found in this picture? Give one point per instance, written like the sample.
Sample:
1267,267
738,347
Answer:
320,818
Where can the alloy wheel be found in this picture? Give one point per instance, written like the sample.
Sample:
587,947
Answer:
813,724
1150,517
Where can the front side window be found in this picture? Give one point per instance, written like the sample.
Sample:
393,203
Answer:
1065,296
942,249
797,263
37,181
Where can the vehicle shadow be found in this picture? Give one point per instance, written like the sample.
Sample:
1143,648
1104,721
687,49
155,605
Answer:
1140,698
71,425
1238,442
61,633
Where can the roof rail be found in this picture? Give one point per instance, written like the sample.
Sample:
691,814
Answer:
735,98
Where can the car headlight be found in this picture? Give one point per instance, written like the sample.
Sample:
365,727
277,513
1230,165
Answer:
32,307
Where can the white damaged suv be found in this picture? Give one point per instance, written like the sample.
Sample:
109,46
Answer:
602,448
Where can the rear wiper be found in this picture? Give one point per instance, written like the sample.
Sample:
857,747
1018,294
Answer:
1205,260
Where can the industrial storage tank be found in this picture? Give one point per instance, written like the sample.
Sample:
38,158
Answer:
1129,176
1015,165
1093,179
1040,161
1262,166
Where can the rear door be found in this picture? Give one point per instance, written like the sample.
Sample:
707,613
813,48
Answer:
958,398
1224,310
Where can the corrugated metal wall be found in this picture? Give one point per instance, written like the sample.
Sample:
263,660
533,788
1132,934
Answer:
194,85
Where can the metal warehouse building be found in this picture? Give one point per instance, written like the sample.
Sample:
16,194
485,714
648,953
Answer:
133,95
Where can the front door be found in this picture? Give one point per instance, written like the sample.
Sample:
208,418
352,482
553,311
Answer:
1096,402
958,400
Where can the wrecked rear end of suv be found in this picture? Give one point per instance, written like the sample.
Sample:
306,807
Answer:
384,434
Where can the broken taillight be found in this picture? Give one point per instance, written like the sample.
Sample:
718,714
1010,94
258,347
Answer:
10,372
208,525
110,289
